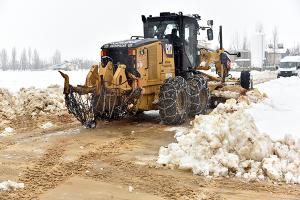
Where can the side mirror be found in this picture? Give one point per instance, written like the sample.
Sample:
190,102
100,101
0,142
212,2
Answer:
238,54
210,22
210,34
298,67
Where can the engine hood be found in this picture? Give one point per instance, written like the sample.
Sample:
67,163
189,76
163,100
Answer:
129,43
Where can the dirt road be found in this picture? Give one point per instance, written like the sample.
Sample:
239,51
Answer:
114,161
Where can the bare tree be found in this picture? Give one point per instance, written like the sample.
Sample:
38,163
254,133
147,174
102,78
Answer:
235,43
56,58
14,59
259,27
275,42
29,57
245,43
4,59
297,49
23,60
36,60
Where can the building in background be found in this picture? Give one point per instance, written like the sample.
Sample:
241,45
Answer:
245,60
66,65
257,46
274,55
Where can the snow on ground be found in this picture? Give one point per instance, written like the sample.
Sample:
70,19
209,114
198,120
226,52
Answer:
280,113
47,125
10,185
263,76
245,139
15,80
7,131
33,94
257,76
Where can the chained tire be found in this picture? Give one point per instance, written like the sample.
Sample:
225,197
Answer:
174,101
199,96
245,80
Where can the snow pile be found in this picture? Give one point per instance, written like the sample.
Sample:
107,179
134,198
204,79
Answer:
263,76
228,143
37,102
7,107
31,102
10,185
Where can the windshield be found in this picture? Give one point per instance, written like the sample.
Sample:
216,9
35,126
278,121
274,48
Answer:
190,42
289,64
160,29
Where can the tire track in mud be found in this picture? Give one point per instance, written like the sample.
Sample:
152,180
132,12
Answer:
142,177
50,171
45,174
127,173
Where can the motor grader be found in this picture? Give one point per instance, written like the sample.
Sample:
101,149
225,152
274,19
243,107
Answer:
164,70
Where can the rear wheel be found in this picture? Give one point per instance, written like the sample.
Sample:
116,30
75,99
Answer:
245,79
198,96
174,100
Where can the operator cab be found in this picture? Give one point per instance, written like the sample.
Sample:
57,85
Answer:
181,32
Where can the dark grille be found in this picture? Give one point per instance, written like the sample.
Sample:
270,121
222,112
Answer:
286,73
120,55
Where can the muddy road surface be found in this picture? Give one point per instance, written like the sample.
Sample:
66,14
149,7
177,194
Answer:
117,160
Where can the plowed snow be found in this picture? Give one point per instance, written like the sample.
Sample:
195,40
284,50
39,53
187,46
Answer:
227,142
32,103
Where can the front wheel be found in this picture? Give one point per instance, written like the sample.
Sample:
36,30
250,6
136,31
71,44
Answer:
174,101
199,96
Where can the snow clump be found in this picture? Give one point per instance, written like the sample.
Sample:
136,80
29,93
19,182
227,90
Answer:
10,185
227,143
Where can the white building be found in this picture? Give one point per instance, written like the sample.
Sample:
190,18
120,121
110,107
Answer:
258,50
68,66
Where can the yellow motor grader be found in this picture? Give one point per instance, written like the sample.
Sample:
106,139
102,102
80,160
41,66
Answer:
164,70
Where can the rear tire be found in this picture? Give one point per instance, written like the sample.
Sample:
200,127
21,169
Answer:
245,80
174,101
198,96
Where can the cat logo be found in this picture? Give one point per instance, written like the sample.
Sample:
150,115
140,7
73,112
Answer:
169,49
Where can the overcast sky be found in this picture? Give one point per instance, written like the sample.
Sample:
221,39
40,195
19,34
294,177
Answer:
79,27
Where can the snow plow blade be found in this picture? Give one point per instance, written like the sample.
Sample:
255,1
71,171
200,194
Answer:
102,97
79,101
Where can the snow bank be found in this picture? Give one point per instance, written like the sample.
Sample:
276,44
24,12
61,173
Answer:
36,102
10,185
280,113
31,102
258,76
263,76
227,142
7,105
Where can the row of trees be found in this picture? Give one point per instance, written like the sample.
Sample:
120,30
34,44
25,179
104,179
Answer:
239,42
30,60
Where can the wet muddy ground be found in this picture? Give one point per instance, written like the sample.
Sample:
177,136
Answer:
117,160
